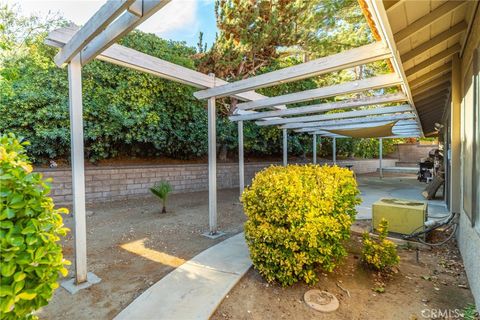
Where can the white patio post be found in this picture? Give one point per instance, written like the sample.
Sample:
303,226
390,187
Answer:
241,168
320,143
285,147
380,156
77,162
334,146
314,148
212,166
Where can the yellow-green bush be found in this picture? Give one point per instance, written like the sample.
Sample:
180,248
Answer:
298,217
380,254
30,227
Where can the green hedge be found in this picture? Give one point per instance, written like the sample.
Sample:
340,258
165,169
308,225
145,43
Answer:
130,113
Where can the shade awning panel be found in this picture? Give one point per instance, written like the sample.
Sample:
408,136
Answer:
370,132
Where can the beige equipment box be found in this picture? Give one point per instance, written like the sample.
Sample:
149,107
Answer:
403,216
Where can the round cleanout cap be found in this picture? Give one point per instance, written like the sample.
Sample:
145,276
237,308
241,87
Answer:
321,300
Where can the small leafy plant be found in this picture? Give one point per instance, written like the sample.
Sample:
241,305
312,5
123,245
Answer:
380,254
162,189
298,218
470,312
30,228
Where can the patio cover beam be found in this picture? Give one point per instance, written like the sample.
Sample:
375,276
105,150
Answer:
426,20
434,93
434,113
403,134
405,127
94,26
437,99
136,8
435,41
119,28
413,135
327,134
389,4
435,73
343,60
133,59
384,118
341,115
407,130
382,81
432,60
323,107
438,106
433,109
437,82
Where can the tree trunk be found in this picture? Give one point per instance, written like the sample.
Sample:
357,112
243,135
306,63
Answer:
164,209
222,156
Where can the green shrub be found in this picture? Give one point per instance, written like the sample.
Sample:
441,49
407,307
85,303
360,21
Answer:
380,254
162,190
298,218
30,228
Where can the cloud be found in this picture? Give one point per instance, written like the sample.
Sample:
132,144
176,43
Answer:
179,20
178,15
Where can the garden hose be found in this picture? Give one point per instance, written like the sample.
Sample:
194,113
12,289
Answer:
454,225
447,223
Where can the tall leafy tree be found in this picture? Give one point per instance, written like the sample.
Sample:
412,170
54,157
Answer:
251,32
17,31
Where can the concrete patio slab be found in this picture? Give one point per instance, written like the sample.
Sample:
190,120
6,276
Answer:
412,170
405,187
196,288
73,288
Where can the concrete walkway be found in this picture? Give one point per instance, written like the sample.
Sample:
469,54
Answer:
196,288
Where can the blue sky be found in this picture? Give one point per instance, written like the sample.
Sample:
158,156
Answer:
205,21
180,20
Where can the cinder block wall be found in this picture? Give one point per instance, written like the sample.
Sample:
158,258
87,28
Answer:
118,183
412,152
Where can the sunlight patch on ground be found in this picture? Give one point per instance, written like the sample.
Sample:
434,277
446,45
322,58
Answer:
138,247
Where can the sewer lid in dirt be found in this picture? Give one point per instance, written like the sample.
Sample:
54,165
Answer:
321,300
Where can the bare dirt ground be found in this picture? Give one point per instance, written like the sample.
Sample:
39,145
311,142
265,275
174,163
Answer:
131,246
436,282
